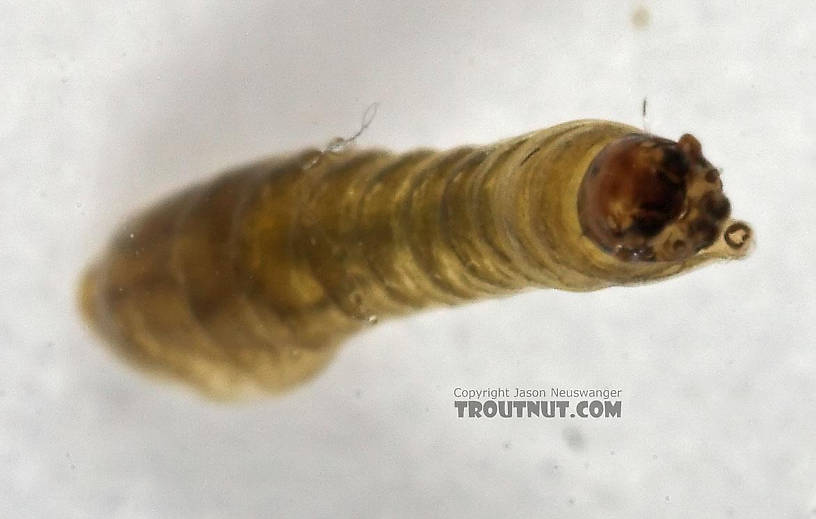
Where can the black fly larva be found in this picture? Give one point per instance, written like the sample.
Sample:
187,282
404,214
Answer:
253,279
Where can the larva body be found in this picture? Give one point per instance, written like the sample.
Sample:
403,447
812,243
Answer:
253,279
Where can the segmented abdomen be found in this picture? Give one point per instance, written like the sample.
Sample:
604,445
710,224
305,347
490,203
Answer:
253,279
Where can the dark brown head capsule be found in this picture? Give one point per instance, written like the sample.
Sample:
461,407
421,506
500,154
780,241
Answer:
645,198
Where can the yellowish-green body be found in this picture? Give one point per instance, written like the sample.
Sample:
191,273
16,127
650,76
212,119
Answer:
252,280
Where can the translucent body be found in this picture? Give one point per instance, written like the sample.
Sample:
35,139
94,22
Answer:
252,280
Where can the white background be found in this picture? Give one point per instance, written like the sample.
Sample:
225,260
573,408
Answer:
106,106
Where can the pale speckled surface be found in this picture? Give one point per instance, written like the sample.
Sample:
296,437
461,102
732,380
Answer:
106,107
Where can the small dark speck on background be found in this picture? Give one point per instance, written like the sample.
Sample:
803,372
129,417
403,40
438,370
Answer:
70,461
574,438
640,17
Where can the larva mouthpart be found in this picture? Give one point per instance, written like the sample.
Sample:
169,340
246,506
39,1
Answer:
251,281
651,199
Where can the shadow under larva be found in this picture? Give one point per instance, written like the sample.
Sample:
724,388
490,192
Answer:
252,280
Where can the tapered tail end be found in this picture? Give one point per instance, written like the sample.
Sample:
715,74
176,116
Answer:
87,297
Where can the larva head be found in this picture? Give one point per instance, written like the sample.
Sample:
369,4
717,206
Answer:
645,198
